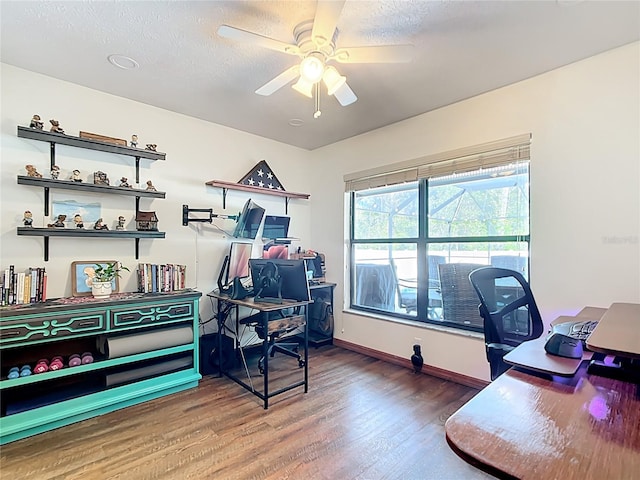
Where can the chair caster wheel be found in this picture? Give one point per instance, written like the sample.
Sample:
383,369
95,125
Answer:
261,367
301,363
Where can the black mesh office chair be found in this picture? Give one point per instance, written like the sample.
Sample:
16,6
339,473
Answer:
278,326
509,313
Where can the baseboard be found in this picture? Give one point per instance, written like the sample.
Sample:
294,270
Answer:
406,362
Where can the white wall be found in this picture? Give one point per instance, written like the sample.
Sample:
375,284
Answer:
585,200
197,151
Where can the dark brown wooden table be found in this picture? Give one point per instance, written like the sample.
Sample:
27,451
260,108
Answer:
530,426
263,308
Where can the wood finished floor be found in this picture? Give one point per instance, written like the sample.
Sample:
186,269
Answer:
361,419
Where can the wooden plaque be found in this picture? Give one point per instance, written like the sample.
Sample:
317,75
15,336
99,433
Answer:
103,138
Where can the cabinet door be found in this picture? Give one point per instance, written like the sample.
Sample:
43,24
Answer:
50,327
130,317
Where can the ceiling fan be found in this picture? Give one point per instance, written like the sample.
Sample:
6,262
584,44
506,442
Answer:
315,45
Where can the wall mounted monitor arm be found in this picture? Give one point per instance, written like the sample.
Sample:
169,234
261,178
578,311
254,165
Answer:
186,211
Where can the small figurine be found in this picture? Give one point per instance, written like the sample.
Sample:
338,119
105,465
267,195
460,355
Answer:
100,178
150,186
36,123
151,146
55,172
32,172
134,141
28,218
99,225
55,126
124,182
121,221
78,221
59,223
75,176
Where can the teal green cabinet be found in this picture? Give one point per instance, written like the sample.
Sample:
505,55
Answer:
159,357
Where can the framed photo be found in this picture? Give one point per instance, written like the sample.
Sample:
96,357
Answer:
82,274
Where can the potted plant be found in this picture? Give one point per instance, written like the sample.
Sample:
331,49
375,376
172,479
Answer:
102,284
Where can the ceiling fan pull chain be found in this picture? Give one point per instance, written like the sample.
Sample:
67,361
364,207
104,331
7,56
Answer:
317,112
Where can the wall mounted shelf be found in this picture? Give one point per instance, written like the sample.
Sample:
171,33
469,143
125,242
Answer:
87,187
62,139
225,186
79,232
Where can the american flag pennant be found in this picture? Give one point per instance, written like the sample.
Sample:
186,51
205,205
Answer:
263,177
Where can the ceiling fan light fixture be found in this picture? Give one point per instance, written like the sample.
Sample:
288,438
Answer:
312,68
333,80
304,87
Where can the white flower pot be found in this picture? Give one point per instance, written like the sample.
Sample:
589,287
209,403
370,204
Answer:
101,289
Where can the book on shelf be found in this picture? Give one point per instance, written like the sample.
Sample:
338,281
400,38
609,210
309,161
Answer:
156,278
22,288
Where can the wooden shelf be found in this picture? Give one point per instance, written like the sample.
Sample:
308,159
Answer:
48,232
62,139
259,190
82,232
87,187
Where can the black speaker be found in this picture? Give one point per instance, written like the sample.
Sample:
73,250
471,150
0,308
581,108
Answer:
209,358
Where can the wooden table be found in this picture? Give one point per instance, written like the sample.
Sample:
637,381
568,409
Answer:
532,427
263,308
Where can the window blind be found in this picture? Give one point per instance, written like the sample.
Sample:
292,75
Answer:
492,154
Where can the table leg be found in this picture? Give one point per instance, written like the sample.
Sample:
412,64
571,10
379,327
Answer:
264,318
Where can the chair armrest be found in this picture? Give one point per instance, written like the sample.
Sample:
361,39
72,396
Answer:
500,346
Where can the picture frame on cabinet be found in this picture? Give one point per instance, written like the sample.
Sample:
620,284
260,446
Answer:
82,273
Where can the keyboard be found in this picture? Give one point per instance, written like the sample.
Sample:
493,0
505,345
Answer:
579,330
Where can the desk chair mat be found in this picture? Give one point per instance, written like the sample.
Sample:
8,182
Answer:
532,355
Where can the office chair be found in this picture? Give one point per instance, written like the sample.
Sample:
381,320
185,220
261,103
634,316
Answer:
509,312
278,326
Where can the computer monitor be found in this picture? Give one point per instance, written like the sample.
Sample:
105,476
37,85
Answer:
249,220
275,227
239,255
293,274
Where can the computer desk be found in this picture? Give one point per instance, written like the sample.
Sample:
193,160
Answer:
535,426
618,331
225,305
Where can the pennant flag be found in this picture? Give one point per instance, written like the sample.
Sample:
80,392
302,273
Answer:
262,176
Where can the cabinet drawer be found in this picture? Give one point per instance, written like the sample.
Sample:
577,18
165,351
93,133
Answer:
156,315
16,332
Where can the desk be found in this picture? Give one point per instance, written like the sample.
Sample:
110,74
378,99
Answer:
618,331
528,425
225,305
532,427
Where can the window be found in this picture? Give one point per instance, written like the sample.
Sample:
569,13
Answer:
413,244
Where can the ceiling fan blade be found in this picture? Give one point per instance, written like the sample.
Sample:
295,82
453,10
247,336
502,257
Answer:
279,82
374,54
325,21
234,33
345,95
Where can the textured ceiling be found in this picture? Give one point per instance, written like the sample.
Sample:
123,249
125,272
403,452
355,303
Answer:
462,48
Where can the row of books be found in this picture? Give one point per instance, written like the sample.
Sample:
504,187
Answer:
153,278
19,288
